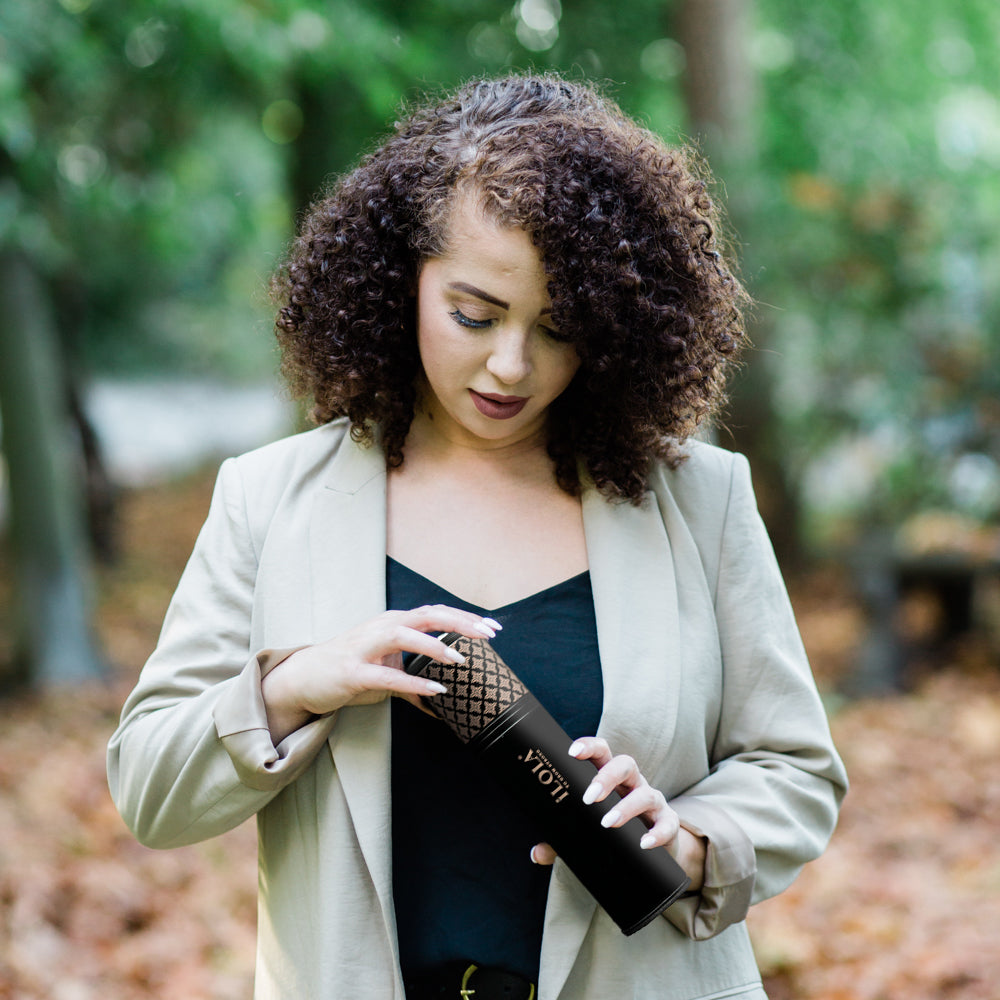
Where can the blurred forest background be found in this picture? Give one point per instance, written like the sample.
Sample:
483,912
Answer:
153,158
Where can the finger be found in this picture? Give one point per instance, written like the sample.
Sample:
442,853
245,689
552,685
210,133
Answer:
621,773
442,618
377,677
663,833
644,803
542,854
592,748
396,638
401,637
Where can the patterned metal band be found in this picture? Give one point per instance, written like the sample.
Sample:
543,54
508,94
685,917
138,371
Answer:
478,690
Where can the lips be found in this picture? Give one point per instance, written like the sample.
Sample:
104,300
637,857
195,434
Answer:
498,407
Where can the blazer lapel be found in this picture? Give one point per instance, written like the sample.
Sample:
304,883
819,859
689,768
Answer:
636,606
347,540
347,564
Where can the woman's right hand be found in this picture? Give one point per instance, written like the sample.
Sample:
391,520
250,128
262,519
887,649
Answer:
364,665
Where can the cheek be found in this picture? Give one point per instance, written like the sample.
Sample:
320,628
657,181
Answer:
441,354
429,336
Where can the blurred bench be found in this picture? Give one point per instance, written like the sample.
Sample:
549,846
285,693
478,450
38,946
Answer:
927,588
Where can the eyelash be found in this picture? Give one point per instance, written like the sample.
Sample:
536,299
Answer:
467,321
483,324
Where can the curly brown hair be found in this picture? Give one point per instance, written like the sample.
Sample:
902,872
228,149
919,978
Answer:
627,233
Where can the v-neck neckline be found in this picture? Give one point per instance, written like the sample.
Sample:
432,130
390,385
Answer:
501,609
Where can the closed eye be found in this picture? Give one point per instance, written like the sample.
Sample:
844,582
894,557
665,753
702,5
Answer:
473,324
556,335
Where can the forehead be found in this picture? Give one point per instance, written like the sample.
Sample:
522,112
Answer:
471,233
466,217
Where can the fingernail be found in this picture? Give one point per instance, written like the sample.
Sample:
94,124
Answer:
483,629
590,795
434,688
575,750
647,842
454,656
609,819
492,623
531,855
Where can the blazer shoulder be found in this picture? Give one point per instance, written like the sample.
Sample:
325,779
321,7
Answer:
289,457
287,473
704,476
291,450
702,495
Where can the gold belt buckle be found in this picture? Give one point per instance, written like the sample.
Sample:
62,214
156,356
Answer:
465,993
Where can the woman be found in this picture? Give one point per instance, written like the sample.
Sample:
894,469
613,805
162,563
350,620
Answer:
510,317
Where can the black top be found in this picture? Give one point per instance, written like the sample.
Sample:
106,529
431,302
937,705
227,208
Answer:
463,882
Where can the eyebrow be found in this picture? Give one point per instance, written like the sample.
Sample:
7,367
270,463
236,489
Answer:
461,286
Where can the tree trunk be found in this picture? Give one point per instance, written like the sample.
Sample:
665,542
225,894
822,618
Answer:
720,93
335,124
54,642
719,84
70,301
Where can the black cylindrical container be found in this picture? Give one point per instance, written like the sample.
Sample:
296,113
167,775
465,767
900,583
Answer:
495,715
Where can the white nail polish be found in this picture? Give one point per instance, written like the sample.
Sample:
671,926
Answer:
609,819
483,629
575,750
647,842
531,855
454,656
590,795
492,623
434,688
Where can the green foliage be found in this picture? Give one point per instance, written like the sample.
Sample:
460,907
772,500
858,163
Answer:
138,195
878,244
152,158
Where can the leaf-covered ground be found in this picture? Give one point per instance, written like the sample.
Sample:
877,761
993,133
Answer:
905,905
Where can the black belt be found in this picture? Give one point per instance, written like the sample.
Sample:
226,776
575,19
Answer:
468,981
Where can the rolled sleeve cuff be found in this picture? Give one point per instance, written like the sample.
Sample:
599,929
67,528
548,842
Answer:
241,723
730,871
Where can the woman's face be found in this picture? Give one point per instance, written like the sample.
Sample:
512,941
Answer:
484,331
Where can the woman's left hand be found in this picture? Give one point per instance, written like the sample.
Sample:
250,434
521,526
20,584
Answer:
639,799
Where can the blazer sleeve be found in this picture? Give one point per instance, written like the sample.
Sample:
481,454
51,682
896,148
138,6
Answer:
770,800
192,756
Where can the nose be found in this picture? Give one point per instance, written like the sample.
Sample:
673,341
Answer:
510,357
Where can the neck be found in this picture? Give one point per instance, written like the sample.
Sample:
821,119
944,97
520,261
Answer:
432,438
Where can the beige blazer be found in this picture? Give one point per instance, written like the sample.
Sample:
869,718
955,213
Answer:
706,685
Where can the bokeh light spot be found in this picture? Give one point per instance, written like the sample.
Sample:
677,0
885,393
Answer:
146,43
771,51
662,59
537,26
282,121
308,30
489,43
82,164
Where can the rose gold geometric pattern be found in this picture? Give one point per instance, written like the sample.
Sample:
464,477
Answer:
478,690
